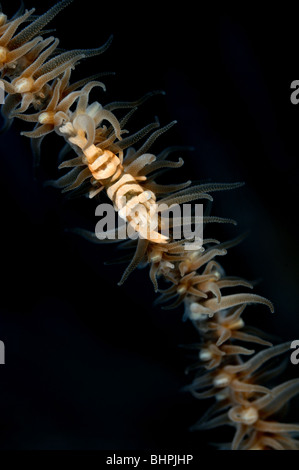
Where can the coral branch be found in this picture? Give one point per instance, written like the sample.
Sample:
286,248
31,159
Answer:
38,88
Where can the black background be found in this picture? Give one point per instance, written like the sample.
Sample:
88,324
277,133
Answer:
90,365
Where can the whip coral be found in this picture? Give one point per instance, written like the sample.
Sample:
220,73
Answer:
107,159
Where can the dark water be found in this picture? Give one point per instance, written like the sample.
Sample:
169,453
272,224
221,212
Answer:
90,365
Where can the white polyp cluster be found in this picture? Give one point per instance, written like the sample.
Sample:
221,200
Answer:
195,312
222,379
67,129
23,85
182,289
165,266
94,108
3,54
249,415
46,118
74,133
244,414
205,355
223,395
216,274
